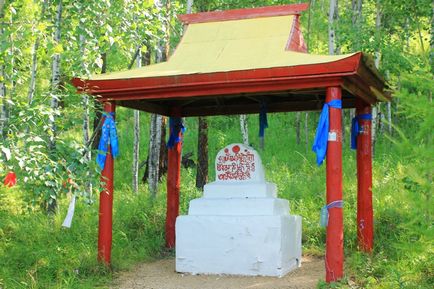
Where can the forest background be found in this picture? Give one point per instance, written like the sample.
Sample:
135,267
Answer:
46,131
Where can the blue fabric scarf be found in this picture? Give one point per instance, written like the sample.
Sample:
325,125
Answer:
322,131
176,127
355,129
108,137
263,122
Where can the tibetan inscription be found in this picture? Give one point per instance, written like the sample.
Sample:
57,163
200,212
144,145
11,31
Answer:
236,163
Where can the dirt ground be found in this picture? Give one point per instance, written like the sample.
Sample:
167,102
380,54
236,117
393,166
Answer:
161,275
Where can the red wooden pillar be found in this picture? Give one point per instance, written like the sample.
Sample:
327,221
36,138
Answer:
106,203
334,258
365,219
173,187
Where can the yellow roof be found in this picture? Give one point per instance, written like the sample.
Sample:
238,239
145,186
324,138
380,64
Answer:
229,46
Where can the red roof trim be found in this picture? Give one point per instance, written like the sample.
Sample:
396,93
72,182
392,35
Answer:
343,66
254,80
228,88
238,14
296,40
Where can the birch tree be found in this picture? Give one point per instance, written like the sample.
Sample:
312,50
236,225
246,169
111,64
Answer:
154,153
55,77
244,129
34,67
202,153
377,60
86,111
332,18
431,54
306,131
202,137
136,143
156,124
356,9
3,104
298,127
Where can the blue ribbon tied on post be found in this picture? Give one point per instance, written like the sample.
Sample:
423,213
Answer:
109,137
177,128
355,128
324,220
263,121
322,131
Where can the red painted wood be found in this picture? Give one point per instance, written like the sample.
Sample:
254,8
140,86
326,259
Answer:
237,14
334,258
365,213
106,203
296,41
344,67
173,188
225,89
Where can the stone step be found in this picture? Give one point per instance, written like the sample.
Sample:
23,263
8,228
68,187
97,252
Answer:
239,207
240,190
240,245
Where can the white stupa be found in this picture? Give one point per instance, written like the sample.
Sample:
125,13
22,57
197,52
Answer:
239,226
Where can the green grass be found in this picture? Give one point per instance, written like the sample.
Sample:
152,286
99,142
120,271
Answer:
35,252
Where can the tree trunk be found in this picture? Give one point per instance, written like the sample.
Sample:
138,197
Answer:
306,130
202,153
333,47
55,90
136,144
55,79
98,107
189,6
306,116
356,7
377,65
388,109
154,153
155,140
431,54
34,69
3,103
352,115
298,127
333,16
157,157
244,128
162,170
85,103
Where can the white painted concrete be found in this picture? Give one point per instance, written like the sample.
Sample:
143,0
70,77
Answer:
240,245
239,207
240,190
237,163
239,226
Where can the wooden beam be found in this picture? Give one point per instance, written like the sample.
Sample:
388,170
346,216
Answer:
145,106
173,185
334,258
288,106
106,202
225,88
135,86
238,14
365,213
359,89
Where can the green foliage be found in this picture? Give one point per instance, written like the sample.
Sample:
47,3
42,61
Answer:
35,252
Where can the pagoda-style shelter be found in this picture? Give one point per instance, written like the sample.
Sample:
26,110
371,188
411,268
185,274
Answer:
235,62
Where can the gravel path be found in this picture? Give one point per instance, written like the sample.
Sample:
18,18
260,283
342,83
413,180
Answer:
161,275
